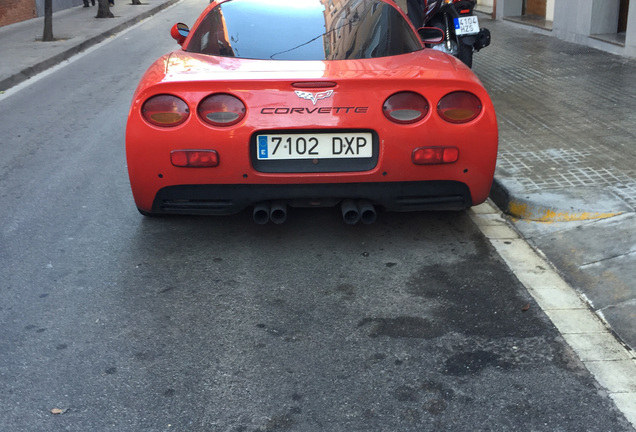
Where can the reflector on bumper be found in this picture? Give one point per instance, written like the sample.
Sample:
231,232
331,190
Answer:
194,158
435,155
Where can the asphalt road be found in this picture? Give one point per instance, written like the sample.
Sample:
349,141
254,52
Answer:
125,323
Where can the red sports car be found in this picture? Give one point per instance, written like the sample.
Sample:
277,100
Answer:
271,104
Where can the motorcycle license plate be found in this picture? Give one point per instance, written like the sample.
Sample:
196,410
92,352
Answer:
466,25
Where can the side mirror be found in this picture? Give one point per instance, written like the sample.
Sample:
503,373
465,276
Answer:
431,35
179,32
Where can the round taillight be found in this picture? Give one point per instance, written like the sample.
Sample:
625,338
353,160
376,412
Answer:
405,108
459,107
165,110
221,110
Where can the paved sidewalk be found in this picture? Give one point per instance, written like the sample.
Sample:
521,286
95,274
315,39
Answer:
75,29
566,170
567,164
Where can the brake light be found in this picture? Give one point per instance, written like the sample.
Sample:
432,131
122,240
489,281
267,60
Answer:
165,110
459,107
222,110
405,108
435,155
314,84
194,158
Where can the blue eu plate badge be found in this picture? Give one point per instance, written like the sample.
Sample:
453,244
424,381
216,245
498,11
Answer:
262,147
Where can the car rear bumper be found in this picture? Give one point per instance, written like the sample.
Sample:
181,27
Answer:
392,196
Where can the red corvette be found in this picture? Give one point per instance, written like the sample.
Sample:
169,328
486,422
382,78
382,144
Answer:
300,103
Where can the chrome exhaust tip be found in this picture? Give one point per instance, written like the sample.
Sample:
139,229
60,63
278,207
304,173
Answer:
278,212
350,212
261,213
367,212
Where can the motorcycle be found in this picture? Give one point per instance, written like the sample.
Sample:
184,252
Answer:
462,34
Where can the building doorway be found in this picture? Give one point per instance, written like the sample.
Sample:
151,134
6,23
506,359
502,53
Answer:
535,13
622,16
535,8
611,27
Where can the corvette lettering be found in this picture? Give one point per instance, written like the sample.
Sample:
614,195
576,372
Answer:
323,110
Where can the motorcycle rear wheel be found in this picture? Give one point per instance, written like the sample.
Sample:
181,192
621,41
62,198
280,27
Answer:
465,54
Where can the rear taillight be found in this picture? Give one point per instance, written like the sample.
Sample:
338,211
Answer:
435,155
405,108
165,110
221,109
459,107
194,158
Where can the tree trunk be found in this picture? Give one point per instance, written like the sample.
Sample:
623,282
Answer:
47,35
103,10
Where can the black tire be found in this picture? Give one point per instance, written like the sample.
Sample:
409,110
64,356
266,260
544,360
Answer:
465,54
145,213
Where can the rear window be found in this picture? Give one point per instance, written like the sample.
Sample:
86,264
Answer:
304,30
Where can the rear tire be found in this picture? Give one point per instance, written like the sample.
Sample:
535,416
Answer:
465,54
145,213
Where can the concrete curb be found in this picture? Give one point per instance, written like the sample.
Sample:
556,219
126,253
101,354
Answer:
42,66
549,207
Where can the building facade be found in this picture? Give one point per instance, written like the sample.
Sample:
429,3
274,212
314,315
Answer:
13,11
608,25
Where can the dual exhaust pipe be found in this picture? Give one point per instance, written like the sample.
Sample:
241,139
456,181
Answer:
358,211
276,211
352,212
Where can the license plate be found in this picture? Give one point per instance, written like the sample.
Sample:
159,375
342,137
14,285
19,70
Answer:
466,25
315,146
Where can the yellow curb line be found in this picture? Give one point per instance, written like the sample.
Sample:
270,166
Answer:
523,210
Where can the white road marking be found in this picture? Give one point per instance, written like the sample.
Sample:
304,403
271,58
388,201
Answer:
610,362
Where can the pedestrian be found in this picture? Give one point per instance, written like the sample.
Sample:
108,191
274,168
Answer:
111,3
86,3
